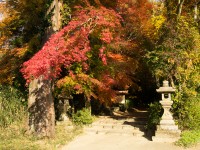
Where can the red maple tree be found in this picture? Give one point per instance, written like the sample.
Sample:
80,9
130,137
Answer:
72,43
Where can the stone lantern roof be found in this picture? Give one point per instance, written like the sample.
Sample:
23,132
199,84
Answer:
166,88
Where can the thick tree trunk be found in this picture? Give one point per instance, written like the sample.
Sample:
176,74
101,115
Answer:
41,111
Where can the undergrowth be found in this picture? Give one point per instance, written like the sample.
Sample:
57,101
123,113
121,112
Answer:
155,113
13,120
189,138
12,108
14,137
83,117
189,121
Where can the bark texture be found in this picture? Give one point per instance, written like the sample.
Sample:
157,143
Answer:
41,111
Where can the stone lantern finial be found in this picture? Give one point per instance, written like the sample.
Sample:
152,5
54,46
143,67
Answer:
165,83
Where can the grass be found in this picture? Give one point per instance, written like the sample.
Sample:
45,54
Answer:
13,137
189,138
13,117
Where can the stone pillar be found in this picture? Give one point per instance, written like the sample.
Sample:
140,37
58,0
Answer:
167,130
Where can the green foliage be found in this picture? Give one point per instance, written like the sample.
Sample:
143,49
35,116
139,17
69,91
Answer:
176,57
17,42
189,138
129,104
66,14
155,113
82,117
23,29
75,85
11,108
188,111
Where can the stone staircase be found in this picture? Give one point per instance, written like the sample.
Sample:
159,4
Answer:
120,123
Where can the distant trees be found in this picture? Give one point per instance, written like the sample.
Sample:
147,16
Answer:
21,36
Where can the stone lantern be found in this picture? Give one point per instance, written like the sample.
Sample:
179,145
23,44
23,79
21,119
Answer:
167,129
121,100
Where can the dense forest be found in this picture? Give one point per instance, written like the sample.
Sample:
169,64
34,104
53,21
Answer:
89,49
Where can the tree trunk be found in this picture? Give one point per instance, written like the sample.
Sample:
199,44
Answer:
41,121
169,9
196,11
179,7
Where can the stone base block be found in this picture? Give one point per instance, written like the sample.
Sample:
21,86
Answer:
164,139
169,121
171,128
166,135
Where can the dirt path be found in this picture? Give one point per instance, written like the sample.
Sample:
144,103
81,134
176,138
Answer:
123,131
116,142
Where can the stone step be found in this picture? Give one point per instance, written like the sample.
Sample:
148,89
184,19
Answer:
130,123
121,121
122,117
118,126
114,131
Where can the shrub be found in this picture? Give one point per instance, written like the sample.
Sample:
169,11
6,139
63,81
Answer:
82,117
11,108
189,138
189,113
194,116
155,112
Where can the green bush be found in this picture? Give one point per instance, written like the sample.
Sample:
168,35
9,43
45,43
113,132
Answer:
194,116
155,112
82,117
189,138
11,108
189,113
129,104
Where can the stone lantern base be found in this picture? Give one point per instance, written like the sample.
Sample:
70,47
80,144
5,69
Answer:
166,136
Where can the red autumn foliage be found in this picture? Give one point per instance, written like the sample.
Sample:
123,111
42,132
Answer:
71,44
